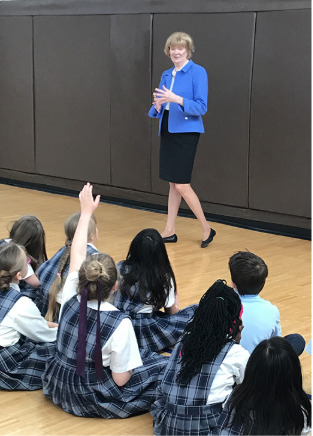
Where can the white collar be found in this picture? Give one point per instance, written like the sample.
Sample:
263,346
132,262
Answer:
15,286
91,245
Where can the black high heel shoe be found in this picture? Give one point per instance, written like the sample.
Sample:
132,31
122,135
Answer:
210,239
172,238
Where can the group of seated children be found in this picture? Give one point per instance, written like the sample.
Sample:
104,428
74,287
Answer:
90,334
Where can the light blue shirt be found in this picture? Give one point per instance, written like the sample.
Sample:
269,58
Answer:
261,321
191,83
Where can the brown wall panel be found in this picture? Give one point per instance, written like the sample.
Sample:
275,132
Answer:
130,99
280,114
224,47
100,7
72,97
16,94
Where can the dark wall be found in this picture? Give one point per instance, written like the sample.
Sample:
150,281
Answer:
75,92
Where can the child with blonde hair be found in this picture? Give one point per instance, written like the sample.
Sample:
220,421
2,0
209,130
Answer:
98,370
27,340
52,273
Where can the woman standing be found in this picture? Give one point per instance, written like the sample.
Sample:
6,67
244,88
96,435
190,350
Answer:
179,103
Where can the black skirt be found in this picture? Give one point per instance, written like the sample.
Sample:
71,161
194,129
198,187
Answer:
177,153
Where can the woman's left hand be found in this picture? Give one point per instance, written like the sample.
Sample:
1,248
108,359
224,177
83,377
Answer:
166,96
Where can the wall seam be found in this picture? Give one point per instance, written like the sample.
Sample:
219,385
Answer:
250,106
34,96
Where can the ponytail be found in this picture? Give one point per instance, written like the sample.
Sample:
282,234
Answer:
57,284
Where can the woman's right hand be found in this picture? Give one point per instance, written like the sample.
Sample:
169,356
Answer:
87,204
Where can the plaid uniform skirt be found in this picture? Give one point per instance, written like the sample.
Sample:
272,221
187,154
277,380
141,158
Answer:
22,364
157,330
169,419
90,397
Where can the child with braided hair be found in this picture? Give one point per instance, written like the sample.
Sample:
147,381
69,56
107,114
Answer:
27,340
148,285
52,273
28,232
98,370
203,367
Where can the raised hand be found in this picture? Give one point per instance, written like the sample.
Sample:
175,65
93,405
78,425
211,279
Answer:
87,203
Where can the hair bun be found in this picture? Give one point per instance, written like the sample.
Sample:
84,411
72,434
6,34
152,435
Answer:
94,270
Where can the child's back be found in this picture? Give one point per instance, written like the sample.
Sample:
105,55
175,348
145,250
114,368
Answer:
148,284
26,341
203,367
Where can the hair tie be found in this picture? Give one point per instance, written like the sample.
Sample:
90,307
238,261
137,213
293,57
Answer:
221,298
58,273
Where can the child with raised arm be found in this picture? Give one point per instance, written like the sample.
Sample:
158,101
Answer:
52,273
98,370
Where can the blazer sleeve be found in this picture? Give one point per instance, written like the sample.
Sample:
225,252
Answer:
198,105
153,113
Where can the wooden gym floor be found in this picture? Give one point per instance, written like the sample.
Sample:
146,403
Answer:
288,286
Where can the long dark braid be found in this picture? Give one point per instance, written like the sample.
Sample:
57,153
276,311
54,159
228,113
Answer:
215,322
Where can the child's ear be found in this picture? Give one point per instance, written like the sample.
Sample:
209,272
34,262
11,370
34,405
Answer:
234,286
18,276
115,286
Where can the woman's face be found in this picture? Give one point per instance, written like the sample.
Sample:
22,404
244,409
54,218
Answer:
178,54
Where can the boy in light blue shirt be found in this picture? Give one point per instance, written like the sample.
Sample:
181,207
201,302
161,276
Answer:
260,318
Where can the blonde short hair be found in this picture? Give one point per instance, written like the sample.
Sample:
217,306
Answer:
180,38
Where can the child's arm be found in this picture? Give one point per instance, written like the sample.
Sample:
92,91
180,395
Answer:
51,324
78,249
172,298
33,281
173,309
121,378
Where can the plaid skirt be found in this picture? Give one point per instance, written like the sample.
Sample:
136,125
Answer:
22,364
169,419
157,330
90,397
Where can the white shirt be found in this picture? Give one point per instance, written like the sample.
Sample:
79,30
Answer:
231,371
147,308
24,319
167,107
121,351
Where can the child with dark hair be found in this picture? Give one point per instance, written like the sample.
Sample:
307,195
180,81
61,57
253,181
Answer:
27,340
98,370
260,317
148,285
270,400
203,367
28,232
52,273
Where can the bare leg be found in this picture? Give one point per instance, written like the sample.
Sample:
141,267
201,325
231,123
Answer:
174,199
191,198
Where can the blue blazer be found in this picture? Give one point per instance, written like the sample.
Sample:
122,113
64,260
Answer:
191,83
